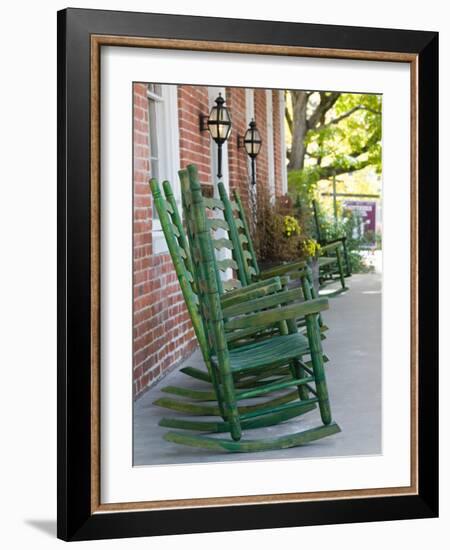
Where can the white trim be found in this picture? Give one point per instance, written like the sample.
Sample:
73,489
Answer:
270,145
284,181
250,113
169,154
213,92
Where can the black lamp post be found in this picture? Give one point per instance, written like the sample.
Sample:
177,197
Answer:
252,142
219,125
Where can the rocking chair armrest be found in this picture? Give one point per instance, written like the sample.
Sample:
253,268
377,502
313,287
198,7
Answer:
263,302
342,240
282,269
252,286
251,292
329,247
284,313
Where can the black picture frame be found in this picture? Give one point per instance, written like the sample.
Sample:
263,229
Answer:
75,518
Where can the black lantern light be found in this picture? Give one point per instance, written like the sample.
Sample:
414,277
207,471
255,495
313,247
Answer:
219,125
252,143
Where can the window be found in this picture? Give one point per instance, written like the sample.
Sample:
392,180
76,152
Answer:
164,148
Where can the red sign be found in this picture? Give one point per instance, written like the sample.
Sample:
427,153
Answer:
366,211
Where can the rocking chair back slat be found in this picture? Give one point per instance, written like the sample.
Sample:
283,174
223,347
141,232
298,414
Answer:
217,223
211,202
243,272
172,209
225,264
223,243
235,217
184,277
246,230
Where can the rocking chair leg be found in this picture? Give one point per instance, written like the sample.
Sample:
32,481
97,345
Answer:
219,390
300,373
348,269
318,369
340,268
295,367
312,292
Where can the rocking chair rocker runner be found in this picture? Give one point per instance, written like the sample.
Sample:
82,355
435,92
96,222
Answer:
284,347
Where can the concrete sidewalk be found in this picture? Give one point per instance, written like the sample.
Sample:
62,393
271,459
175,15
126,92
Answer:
353,345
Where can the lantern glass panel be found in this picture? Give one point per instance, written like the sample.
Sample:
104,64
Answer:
224,131
214,114
213,122
219,122
256,147
252,141
224,115
213,130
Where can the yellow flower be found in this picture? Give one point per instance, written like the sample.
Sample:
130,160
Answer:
311,247
291,226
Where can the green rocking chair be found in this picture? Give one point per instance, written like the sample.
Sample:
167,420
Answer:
334,255
181,257
285,347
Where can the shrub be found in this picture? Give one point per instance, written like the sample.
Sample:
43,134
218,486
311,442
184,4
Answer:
281,230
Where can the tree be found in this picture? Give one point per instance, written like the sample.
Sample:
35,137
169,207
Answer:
332,133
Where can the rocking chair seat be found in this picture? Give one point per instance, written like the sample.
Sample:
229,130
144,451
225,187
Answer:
277,350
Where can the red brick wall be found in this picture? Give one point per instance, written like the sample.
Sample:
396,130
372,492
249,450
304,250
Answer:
161,327
163,335
237,157
194,145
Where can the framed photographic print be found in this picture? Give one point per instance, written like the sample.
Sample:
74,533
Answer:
247,274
